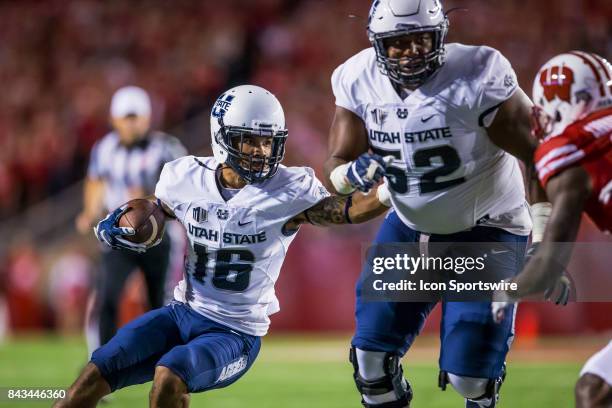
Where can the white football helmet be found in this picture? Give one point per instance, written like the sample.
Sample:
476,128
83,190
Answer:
393,18
567,88
248,110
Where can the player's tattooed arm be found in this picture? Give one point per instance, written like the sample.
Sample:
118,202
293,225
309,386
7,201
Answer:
330,210
336,210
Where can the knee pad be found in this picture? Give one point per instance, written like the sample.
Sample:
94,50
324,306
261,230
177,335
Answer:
379,379
469,387
481,392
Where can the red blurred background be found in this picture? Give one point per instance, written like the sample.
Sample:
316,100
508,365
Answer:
60,62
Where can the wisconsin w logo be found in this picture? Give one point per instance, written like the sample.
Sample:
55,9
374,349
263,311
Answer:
557,81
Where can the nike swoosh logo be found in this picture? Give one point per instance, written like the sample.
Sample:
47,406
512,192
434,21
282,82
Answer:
427,118
243,224
497,252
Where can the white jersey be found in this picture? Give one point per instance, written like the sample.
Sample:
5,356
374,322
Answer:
448,176
236,248
600,364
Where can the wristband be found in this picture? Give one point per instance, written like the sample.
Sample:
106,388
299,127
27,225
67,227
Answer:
347,206
339,181
540,213
383,195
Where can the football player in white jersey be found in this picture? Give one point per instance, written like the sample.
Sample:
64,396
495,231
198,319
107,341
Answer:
241,210
443,123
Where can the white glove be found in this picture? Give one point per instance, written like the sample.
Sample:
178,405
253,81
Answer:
500,305
383,194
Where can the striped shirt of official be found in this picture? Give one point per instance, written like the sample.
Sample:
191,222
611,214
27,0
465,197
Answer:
126,168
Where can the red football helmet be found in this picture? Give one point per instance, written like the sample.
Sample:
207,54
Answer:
567,88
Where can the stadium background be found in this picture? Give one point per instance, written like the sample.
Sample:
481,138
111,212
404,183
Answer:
60,62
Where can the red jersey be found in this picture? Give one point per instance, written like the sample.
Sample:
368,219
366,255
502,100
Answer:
586,143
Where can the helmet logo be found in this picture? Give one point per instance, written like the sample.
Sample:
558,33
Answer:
557,81
373,11
222,105
436,9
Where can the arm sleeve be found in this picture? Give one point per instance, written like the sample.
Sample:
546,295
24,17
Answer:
498,83
344,90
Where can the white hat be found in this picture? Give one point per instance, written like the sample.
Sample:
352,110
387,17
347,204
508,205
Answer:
130,100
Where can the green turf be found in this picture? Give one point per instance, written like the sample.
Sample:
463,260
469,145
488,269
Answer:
288,373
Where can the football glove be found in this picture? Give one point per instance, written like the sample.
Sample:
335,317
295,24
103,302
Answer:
108,232
366,171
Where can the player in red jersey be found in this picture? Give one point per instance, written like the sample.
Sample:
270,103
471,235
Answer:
572,94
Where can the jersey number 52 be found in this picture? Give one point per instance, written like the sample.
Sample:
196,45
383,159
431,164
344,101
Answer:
447,155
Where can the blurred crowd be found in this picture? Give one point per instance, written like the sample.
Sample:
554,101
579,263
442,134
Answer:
61,60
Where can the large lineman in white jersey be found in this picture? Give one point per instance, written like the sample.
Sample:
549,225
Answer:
236,248
447,175
439,122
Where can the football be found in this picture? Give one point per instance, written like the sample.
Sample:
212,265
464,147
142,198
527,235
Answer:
147,219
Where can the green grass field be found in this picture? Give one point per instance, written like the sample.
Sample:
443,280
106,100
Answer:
302,372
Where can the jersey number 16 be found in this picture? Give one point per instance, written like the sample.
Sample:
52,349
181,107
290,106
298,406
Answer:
232,268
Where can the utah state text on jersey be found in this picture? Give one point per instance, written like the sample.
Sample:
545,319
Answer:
410,137
228,237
